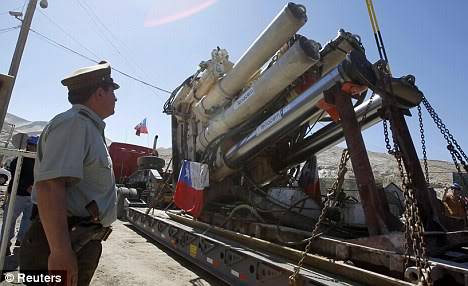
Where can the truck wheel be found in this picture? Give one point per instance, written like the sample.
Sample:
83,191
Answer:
3,179
150,162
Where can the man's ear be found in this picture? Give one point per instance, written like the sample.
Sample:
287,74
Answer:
100,91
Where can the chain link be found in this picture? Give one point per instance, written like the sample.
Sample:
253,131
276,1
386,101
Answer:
332,193
414,231
423,144
457,157
457,153
443,129
387,140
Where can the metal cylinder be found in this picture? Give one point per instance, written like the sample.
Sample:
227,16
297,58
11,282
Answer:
127,192
334,52
355,68
297,59
332,134
277,125
123,193
283,27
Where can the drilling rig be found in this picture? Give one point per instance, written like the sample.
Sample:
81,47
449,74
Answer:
244,146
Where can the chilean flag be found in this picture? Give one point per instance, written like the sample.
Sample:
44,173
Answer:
193,179
141,128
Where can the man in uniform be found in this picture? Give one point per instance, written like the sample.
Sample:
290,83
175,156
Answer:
74,183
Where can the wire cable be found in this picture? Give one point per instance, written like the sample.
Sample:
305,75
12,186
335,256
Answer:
98,24
7,12
109,36
69,35
4,30
376,30
55,43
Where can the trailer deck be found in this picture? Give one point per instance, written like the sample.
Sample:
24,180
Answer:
240,259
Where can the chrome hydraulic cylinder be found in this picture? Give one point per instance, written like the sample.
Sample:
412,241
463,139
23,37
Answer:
297,59
282,28
354,69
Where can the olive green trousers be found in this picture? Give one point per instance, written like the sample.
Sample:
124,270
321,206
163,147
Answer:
34,255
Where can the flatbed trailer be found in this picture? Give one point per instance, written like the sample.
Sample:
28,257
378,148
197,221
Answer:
239,259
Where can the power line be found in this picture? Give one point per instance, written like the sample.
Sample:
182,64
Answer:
69,35
105,34
55,43
109,36
5,30
141,81
8,12
98,23
91,52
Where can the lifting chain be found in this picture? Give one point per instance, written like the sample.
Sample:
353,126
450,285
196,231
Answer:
332,193
413,225
387,140
423,144
414,231
412,219
452,145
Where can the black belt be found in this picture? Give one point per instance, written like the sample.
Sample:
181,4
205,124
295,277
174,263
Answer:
72,220
78,225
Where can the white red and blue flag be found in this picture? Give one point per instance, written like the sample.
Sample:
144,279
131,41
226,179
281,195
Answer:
193,179
141,128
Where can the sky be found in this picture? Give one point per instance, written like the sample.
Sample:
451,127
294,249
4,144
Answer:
162,43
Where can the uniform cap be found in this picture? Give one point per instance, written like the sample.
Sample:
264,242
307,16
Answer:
456,186
32,140
89,77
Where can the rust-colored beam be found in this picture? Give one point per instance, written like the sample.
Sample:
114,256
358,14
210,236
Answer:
429,209
373,200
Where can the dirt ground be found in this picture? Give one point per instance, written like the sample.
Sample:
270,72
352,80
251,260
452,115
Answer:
131,258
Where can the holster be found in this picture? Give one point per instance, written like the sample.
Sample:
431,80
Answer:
83,232
83,229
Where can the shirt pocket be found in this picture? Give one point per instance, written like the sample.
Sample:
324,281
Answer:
102,175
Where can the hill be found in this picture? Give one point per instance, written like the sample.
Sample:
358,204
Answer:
384,165
22,125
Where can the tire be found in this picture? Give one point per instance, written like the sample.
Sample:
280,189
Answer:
3,179
150,162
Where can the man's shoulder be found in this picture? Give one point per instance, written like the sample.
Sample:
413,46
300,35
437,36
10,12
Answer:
71,116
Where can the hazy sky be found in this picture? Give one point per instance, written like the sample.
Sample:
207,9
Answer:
162,42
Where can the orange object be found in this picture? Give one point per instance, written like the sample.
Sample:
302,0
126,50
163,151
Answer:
330,109
354,90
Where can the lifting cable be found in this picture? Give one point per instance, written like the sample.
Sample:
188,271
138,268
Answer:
376,29
413,229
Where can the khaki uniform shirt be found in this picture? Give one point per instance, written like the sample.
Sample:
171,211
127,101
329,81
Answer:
73,146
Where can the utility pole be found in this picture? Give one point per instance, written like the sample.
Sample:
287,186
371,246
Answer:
15,62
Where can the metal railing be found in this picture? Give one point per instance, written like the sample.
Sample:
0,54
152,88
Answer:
20,153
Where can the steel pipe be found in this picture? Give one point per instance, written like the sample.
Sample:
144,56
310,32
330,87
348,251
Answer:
335,51
355,68
282,28
276,125
333,134
297,59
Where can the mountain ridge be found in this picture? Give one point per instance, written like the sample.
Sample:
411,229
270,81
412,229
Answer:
384,165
